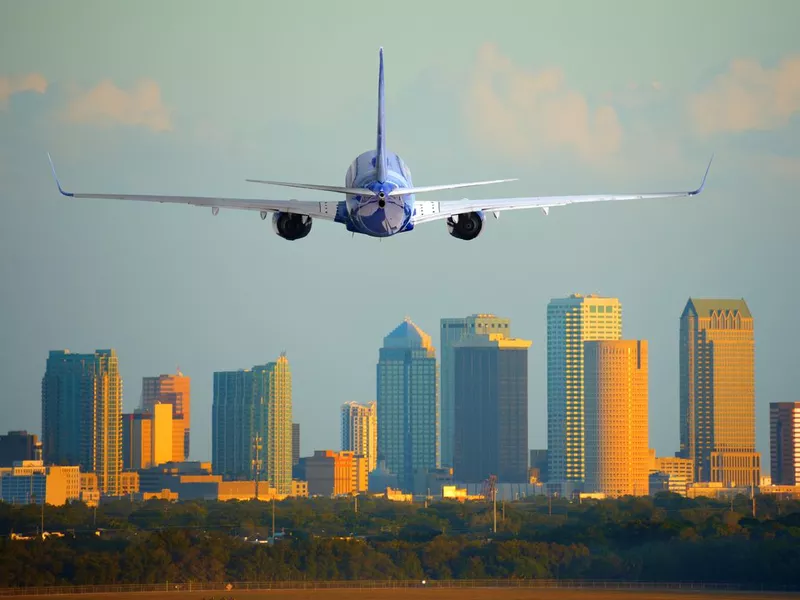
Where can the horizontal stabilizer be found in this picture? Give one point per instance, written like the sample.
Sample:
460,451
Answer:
437,188
322,188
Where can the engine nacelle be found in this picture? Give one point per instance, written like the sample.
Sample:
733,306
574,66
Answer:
466,226
291,226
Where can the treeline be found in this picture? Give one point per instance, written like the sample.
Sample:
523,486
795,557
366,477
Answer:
666,539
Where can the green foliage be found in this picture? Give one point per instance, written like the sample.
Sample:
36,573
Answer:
663,539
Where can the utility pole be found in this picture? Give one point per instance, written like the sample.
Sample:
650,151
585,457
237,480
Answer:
273,518
494,495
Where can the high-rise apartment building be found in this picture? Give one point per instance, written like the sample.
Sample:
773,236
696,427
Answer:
273,389
453,330
82,414
252,414
615,408
491,408
784,442
572,321
359,427
408,407
717,391
64,385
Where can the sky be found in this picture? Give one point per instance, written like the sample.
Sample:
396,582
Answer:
571,98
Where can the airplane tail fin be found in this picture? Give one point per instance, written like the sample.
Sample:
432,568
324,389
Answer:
380,157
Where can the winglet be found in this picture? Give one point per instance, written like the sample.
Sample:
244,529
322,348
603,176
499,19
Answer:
703,183
58,183
380,152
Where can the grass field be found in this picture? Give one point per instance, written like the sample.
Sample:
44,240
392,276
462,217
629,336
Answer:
431,594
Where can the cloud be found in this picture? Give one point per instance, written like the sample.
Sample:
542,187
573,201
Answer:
106,104
33,82
748,97
519,112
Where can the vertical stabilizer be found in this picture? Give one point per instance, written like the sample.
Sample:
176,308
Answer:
380,157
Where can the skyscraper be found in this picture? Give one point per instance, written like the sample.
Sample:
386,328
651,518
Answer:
616,397
176,391
360,431
17,446
452,330
717,391
572,321
250,408
408,415
295,443
234,423
273,389
64,385
102,430
147,438
82,414
784,442
491,408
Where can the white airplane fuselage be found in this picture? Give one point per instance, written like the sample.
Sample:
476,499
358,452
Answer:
379,215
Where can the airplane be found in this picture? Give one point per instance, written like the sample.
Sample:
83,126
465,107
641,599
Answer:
380,198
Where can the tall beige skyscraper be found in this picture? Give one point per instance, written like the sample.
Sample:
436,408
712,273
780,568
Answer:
176,391
360,431
572,321
272,388
101,430
616,396
717,391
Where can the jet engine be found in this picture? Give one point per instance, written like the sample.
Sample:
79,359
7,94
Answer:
291,226
466,226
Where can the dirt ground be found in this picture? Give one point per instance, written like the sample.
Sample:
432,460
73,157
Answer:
432,594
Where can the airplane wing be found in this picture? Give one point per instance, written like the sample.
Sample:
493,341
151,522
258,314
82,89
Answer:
318,210
433,211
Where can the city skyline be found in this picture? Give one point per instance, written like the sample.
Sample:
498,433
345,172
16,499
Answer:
408,332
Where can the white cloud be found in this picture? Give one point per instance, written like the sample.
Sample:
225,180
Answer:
106,103
519,112
748,97
33,82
